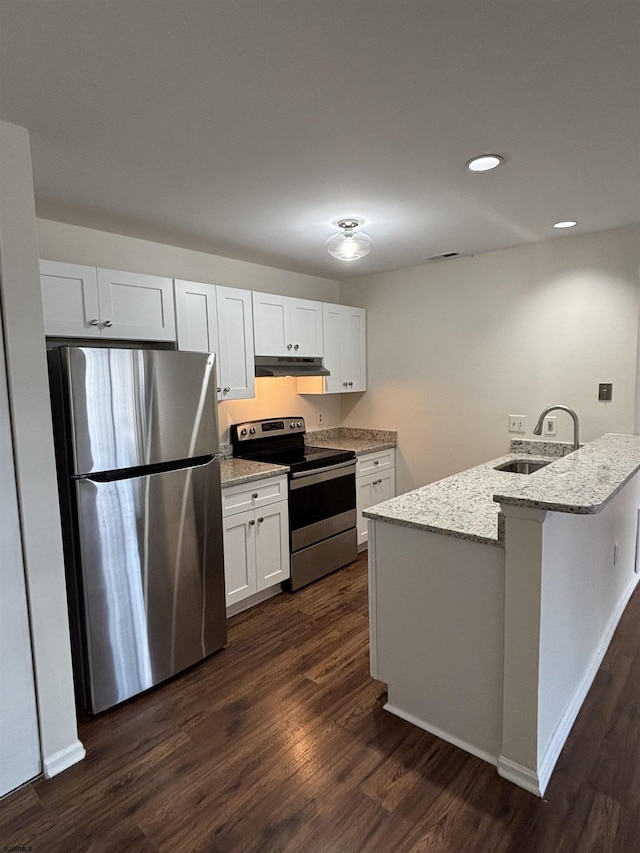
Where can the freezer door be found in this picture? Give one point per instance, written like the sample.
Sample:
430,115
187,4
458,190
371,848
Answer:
151,579
136,407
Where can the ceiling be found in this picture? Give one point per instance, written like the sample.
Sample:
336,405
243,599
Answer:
247,128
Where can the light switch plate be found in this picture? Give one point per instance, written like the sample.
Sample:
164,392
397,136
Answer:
517,423
605,391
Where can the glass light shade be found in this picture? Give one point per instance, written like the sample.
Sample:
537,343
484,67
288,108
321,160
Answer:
349,245
567,223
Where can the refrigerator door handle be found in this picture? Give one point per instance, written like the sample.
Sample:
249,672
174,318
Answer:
145,470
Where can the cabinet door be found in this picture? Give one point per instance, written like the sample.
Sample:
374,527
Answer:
305,318
235,334
270,324
70,300
383,487
363,500
239,556
135,306
196,317
272,545
372,489
353,348
332,360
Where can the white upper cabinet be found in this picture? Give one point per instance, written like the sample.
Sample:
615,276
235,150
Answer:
284,325
344,352
196,316
70,299
219,319
135,306
80,301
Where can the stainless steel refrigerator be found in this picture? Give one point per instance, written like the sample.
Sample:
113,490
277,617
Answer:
137,443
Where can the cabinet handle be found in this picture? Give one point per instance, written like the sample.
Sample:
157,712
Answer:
296,346
289,346
219,389
252,522
107,324
94,323
261,520
254,495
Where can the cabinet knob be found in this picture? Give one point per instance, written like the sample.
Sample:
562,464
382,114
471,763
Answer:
252,522
376,461
107,324
289,346
261,520
94,323
296,346
254,495
345,384
219,390
351,383
227,389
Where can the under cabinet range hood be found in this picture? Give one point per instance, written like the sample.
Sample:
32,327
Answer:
295,365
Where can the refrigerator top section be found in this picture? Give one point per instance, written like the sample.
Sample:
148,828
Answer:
134,407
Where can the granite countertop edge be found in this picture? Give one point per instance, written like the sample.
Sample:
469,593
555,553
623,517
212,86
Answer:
235,472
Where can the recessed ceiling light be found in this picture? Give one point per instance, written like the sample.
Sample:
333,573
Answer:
567,223
484,163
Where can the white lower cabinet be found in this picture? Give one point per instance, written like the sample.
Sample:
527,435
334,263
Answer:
256,540
375,482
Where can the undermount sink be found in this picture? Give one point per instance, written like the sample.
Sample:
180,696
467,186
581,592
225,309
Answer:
521,466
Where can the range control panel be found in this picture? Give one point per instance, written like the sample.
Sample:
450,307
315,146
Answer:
268,428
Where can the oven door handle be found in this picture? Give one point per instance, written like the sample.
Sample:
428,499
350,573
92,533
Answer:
319,475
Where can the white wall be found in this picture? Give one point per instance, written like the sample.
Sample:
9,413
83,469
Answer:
274,397
33,453
453,348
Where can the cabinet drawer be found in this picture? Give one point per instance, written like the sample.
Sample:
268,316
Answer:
371,462
252,495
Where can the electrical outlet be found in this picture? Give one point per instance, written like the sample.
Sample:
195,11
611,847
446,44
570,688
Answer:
517,423
320,418
549,426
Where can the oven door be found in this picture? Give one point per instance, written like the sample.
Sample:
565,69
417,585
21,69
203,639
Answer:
322,503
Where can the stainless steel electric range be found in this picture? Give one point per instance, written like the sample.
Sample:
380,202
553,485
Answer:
322,494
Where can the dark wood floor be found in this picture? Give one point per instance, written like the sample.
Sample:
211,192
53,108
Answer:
280,743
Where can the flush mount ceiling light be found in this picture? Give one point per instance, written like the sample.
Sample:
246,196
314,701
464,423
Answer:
484,163
347,245
566,223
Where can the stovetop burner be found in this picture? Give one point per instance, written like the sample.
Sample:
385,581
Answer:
282,442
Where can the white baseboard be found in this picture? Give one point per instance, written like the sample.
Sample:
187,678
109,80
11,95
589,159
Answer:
524,777
468,747
61,760
252,600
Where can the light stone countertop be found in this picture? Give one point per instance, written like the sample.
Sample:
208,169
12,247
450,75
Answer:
361,441
466,504
234,472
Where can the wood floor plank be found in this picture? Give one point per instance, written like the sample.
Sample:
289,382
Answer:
280,744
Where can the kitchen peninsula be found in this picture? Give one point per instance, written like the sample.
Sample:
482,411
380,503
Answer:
494,595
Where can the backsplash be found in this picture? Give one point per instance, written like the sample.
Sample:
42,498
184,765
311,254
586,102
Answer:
531,447
336,433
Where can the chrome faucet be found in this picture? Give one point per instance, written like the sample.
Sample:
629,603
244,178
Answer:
537,430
